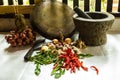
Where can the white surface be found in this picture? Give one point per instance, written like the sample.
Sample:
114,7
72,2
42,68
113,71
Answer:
107,57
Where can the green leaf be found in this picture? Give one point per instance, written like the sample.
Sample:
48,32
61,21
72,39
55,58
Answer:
44,58
82,56
37,72
54,71
63,72
37,69
57,75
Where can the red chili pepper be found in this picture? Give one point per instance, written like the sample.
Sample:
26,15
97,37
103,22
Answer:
71,60
84,68
78,64
69,50
67,60
73,69
67,67
94,68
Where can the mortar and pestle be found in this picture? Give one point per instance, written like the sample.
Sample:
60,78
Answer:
92,26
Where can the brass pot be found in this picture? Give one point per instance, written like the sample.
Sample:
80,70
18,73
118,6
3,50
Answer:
50,18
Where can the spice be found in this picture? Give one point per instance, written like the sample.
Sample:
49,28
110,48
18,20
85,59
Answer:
55,41
68,40
64,56
71,61
94,68
25,37
84,68
68,60
43,58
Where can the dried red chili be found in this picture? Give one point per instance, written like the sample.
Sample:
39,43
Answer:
96,69
71,61
84,68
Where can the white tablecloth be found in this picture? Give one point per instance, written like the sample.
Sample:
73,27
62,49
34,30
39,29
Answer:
107,59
